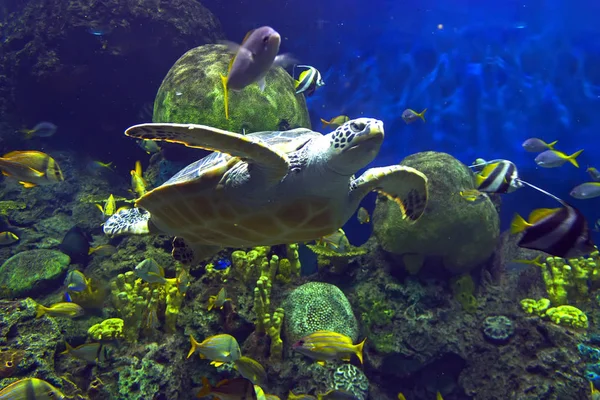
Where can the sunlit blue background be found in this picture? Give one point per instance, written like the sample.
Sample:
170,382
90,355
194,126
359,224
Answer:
491,75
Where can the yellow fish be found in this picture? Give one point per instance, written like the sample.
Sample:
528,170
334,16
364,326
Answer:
138,183
8,238
66,310
301,396
536,261
363,216
218,348
229,389
472,195
219,300
31,168
101,164
327,345
251,369
104,250
110,206
31,389
335,122
336,395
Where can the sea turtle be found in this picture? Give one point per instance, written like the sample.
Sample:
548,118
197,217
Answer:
265,188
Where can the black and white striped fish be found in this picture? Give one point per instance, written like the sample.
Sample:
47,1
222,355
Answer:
561,232
498,176
308,81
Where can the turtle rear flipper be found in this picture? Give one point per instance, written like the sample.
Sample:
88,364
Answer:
404,185
131,221
273,162
187,253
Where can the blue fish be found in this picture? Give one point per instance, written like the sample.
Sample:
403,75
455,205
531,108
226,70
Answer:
222,264
68,298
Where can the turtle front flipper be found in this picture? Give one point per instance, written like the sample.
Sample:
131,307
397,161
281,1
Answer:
273,162
130,221
404,185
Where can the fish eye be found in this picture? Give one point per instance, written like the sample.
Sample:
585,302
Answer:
265,39
9,364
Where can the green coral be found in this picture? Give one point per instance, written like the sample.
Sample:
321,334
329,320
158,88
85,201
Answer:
247,264
463,289
318,306
265,322
568,315
537,307
569,279
32,271
462,233
9,205
109,329
192,92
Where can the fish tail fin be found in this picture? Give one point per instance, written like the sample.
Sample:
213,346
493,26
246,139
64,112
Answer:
194,346
68,349
518,224
225,96
324,123
27,132
551,145
39,310
572,158
422,115
206,388
359,350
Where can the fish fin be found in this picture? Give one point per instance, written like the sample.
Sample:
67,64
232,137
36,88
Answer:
27,185
422,115
401,396
438,396
211,304
359,350
551,145
247,35
572,158
138,169
296,83
68,349
217,364
262,83
541,213
479,179
225,96
284,60
206,388
325,123
194,346
40,310
518,224
321,363
232,47
100,208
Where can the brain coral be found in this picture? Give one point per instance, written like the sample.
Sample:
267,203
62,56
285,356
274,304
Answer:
318,306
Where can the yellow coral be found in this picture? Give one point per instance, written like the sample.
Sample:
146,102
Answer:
568,315
109,329
569,279
537,307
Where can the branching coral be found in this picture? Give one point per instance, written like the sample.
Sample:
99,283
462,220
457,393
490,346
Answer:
561,315
265,322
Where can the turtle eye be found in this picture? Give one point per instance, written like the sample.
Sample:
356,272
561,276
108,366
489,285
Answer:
357,126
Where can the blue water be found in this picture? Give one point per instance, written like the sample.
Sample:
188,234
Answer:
491,75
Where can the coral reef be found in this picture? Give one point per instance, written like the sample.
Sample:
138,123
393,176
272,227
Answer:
350,379
185,98
463,234
569,280
498,328
318,306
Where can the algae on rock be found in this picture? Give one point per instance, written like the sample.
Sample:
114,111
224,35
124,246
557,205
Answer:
461,232
192,92
32,271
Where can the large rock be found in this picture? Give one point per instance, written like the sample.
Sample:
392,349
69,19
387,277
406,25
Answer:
192,92
462,233
32,272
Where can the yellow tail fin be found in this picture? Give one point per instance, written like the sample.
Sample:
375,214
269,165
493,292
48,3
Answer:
206,388
422,115
324,123
518,224
359,350
551,145
68,349
573,156
225,96
194,346
28,133
40,310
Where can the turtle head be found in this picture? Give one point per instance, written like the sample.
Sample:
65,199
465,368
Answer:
354,145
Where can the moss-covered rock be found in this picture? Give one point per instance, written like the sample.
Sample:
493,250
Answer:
317,306
32,271
192,92
463,233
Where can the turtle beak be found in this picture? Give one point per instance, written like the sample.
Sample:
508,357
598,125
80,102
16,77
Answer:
370,139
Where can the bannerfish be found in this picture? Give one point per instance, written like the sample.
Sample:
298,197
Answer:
252,60
229,389
555,158
561,232
8,238
327,345
31,389
587,190
31,168
409,116
535,145
43,129
220,349
308,81
498,176
335,122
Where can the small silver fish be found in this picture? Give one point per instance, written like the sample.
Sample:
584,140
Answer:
555,158
149,271
409,116
535,145
90,352
587,190
43,129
